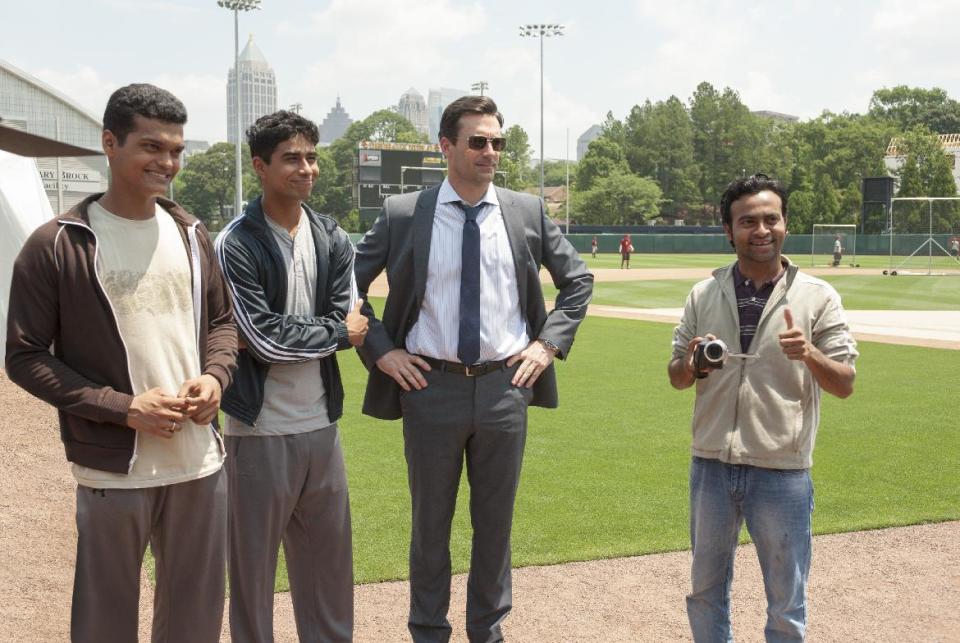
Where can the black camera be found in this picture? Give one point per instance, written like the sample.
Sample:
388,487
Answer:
709,353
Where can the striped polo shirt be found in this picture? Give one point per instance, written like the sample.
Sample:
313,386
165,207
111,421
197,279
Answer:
751,300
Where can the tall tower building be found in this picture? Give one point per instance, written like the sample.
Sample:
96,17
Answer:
414,109
437,101
335,124
258,91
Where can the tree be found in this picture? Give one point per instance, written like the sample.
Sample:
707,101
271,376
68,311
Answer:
826,200
726,139
926,171
658,142
613,130
555,173
323,196
620,198
909,107
842,147
604,157
205,186
515,159
800,212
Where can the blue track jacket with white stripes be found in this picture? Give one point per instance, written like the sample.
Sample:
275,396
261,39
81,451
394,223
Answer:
253,265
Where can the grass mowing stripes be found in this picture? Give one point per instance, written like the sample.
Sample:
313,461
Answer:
683,260
605,475
859,292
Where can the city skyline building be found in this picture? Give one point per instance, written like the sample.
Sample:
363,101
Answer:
413,108
335,124
779,117
191,147
437,101
258,90
583,142
30,105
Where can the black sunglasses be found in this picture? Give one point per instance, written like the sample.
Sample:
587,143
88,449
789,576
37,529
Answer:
480,142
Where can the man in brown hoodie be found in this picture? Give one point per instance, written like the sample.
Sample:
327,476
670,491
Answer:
120,318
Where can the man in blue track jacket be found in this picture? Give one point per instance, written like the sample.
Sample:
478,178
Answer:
291,273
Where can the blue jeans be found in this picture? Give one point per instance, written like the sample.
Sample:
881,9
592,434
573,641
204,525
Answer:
777,505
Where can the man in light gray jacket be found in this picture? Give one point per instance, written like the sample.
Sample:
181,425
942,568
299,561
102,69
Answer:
756,416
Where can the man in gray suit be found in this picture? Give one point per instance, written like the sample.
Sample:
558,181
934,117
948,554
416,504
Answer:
464,347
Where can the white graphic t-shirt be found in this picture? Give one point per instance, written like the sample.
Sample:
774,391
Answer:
145,270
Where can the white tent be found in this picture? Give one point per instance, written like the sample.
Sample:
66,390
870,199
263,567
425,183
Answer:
23,207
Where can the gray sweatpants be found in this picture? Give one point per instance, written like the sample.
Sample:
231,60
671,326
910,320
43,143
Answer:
185,524
291,488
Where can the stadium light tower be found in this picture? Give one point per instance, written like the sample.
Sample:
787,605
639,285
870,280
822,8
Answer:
541,31
237,6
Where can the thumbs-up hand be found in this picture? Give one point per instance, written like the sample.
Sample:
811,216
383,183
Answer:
793,343
356,325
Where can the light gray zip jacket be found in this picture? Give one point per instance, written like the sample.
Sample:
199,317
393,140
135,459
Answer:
765,411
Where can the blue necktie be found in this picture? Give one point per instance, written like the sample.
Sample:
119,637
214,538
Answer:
468,345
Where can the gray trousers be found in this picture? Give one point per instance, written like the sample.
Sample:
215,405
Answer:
290,488
482,420
185,525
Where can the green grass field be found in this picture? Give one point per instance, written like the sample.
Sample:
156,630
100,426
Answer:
606,474
859,292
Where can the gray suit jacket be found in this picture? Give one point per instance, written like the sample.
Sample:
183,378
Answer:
399,242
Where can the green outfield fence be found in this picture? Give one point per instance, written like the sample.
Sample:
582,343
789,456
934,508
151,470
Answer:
796,244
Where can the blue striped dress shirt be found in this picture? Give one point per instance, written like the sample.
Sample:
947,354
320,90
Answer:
503,331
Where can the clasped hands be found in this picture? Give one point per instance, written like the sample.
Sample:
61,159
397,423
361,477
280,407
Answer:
406,369
161,414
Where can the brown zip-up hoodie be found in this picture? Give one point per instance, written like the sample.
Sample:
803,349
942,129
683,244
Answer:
57,299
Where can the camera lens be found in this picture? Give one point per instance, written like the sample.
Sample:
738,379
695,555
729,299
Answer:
713,351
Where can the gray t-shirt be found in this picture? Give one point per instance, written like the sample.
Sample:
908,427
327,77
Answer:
294,399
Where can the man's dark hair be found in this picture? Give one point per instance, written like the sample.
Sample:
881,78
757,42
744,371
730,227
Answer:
141,99
749,186
450,121
269,131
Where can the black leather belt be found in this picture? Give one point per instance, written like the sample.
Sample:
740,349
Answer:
462,369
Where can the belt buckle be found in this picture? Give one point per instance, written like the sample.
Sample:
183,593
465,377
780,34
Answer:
467,372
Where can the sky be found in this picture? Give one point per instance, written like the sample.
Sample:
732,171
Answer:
798,57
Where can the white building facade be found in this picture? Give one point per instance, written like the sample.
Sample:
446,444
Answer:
30,105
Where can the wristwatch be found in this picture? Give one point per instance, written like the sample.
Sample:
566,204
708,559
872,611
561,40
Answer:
549,345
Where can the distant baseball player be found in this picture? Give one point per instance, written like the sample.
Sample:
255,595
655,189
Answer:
837,251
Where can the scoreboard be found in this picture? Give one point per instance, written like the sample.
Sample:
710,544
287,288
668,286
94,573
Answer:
383,169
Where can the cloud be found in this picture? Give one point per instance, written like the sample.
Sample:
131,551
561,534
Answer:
83,85
205,97
368,50
140,6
